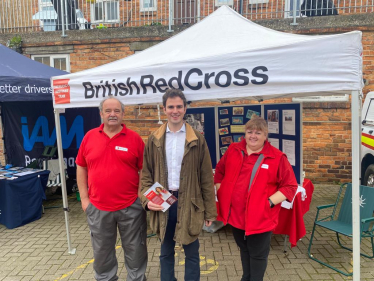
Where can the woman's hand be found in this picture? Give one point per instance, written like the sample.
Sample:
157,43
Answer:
218,185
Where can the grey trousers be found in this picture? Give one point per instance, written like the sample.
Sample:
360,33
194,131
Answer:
132,226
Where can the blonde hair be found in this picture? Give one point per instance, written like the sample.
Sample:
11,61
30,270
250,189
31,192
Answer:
257,123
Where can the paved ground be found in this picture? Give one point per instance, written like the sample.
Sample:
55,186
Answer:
38,251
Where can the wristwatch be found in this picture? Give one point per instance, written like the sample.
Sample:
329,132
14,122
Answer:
271,203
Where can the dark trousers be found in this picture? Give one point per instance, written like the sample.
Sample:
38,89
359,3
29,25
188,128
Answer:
254,252
167,261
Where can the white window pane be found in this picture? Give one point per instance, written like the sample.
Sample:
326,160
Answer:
148,3
60,63
44,60
112,10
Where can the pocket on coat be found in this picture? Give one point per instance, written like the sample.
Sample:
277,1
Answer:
197,216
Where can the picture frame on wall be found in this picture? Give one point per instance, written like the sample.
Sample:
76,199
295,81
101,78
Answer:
226,140
237,120
224,122
223,131
238,138
238,110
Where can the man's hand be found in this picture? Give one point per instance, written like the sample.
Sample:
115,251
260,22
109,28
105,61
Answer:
208,223
154,207
85,202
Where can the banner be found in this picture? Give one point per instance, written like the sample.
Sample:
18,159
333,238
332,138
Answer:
30,127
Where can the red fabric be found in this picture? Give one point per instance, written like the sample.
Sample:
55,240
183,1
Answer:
113,165
240,194
275,173
291,221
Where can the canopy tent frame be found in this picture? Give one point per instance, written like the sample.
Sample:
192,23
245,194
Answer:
324,75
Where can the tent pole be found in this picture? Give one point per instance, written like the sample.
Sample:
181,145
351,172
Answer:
63,180
356,145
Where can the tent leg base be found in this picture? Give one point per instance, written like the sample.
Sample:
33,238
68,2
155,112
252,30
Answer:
72,251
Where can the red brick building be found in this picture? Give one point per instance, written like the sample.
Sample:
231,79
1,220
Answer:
326,123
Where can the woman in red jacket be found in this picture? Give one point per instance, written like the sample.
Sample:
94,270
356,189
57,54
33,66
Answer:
252,178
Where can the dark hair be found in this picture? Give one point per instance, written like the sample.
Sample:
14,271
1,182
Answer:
173,93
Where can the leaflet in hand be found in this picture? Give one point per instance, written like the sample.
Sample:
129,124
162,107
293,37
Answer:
160,196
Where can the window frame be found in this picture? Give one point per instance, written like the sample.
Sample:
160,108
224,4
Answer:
228,3
152,9
287,9
52,57
105,11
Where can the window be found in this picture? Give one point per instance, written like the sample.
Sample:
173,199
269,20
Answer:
224,2
288,9
105,11
148,5
61,62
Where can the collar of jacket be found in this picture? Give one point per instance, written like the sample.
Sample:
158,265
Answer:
267,150
160,133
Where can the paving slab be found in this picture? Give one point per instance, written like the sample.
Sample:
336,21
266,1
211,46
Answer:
38,250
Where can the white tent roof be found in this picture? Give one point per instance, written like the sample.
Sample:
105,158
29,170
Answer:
241,58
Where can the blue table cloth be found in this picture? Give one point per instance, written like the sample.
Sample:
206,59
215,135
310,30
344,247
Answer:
21,199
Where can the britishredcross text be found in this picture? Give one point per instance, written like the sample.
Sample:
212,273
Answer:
148,83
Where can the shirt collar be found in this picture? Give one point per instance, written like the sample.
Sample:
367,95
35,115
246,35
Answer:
123,131
183,129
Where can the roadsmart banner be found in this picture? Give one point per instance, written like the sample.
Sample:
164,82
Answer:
29,127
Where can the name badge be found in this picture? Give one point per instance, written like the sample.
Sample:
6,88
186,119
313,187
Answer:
121,148
265,166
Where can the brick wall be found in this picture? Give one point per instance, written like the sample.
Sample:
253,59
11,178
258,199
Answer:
326,126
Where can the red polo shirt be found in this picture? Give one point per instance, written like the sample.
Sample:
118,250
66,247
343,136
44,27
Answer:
112,165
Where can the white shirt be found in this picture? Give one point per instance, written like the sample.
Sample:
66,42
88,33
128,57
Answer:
174,155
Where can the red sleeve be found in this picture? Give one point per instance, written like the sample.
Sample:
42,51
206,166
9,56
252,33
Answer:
220,168
81,160
286,178
140,153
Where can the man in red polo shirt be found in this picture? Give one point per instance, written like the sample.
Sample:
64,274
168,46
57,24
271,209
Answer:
109,161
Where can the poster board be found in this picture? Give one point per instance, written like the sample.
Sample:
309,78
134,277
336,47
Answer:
223,125
285,132
203,119
231,121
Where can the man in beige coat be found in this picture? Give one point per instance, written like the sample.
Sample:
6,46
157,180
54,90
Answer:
178,158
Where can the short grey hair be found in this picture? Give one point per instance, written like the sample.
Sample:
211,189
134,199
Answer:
109,98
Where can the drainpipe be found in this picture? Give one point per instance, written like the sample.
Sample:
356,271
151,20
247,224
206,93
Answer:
170,16
62,19
294,13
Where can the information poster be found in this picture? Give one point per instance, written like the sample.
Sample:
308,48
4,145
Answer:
285,132
289,149
289,122
231,123
274,142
